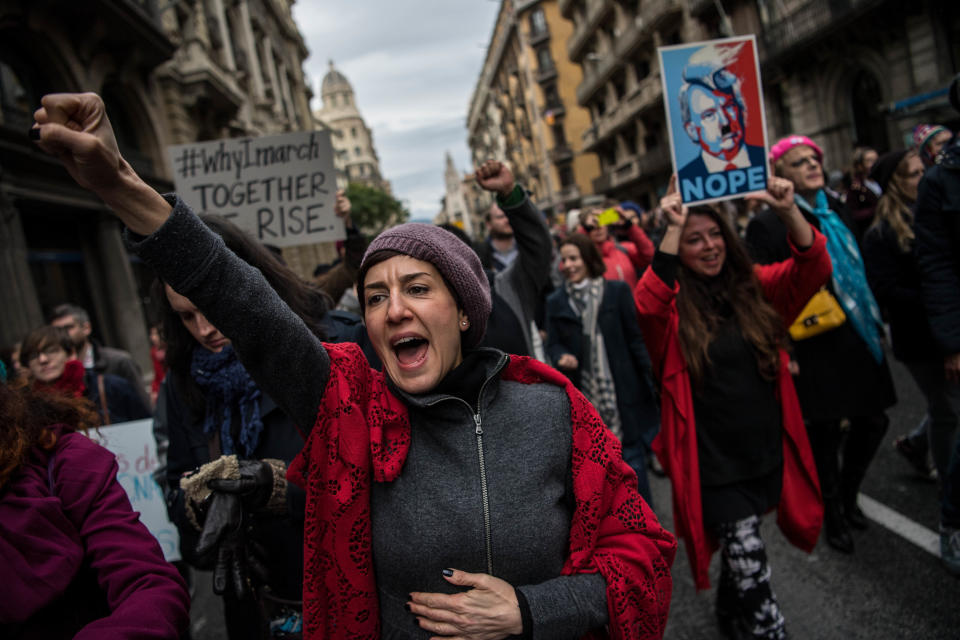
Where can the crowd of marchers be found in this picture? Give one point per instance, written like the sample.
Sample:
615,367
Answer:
441,436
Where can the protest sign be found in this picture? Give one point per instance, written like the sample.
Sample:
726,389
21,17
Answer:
136,451
281,189
715,118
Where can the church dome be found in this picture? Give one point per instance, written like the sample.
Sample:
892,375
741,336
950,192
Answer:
334,81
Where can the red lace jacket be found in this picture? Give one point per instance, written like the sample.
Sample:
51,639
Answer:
362,435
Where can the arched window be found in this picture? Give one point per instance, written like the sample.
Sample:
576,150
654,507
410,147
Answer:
869,125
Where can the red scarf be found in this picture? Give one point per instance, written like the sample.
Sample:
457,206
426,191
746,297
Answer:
70,383
362,433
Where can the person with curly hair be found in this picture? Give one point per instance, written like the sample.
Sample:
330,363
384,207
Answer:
76,560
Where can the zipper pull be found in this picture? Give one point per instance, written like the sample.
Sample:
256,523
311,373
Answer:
476,419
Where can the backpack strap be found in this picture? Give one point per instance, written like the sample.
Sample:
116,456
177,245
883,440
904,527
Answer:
103,400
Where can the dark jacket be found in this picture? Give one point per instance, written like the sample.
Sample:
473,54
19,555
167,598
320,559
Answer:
838,375
626,353
119,363
895,279
516,290
123,402
189,448
938,247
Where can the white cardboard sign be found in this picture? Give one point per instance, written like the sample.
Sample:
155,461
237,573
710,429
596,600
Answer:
136,451
281,189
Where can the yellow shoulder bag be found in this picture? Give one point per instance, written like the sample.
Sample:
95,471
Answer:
822,313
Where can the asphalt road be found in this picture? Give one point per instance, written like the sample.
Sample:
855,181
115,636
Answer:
889,589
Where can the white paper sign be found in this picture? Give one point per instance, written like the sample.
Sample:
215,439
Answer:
281,189
136,451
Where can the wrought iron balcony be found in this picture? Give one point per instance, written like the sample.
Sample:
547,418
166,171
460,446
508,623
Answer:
788,25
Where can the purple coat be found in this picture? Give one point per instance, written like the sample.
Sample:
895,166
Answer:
67,527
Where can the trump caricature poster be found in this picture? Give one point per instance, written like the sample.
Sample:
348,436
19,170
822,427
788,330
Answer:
715,117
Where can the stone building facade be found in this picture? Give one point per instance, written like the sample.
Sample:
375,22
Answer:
355,156
465,204
855,72
524,106
844,73
615,43
169,73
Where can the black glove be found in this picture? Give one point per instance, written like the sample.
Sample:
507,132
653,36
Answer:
239,559
239,566
255,485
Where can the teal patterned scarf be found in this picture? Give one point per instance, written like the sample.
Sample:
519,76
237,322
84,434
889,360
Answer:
849,278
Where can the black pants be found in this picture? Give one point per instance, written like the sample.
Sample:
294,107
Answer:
866,434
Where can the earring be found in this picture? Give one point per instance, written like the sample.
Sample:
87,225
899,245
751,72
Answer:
464,322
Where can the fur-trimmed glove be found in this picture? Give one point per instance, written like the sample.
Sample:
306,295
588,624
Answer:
260,484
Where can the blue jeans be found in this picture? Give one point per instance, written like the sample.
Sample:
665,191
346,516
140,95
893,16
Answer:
943,408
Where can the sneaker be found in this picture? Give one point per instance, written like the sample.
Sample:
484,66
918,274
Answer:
917,458
950,549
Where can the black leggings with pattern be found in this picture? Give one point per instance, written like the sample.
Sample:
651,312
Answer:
744,595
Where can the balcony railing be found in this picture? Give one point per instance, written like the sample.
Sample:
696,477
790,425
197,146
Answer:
647,94
792,24
652,14
536,37
568,194
560,154
548,73
635,168
597,10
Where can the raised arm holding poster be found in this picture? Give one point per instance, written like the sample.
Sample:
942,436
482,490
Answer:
715,117
281,188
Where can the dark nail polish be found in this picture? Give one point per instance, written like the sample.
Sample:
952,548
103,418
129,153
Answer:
34,133
448,572
406,606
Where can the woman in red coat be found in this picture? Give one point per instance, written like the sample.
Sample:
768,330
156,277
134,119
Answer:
732,438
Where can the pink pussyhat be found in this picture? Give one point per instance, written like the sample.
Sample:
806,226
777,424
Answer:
785,144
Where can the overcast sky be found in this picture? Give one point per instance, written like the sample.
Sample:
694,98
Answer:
413,65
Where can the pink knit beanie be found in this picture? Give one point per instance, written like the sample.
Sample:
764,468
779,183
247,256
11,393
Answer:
785,144
456,262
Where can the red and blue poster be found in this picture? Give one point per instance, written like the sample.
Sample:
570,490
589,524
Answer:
713,99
